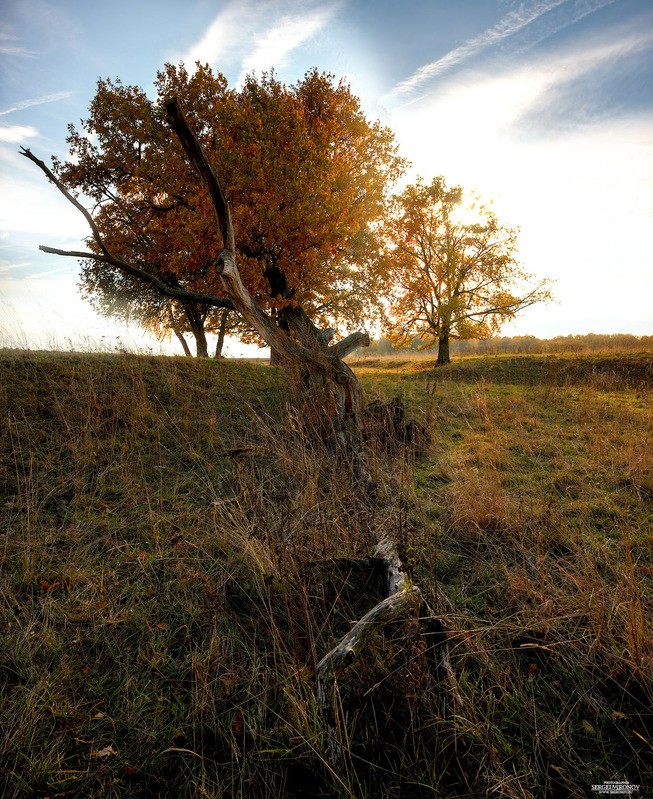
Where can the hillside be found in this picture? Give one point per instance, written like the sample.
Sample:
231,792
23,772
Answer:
173,566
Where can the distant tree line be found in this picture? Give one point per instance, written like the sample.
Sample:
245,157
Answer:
521,345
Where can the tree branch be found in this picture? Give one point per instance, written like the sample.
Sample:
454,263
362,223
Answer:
177,294
202,166
53,179
349,344
243,302
228,271
115,261
327,334
239,297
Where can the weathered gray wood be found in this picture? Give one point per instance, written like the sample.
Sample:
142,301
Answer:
390,608
204,169
337,392
107,257
402,599
386,549
345,654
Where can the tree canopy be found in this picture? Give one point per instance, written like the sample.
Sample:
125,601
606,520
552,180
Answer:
451,277
306,176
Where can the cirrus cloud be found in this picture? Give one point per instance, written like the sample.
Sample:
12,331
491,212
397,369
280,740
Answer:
513,23
32,101
251,36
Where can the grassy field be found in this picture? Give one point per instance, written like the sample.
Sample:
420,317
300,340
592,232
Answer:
168,585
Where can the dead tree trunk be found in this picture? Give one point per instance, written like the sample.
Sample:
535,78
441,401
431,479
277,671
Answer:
275,360
332,394
402,599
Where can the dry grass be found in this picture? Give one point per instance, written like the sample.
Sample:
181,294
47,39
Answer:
165,595
535,509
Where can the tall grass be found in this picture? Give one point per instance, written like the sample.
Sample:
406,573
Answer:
175,561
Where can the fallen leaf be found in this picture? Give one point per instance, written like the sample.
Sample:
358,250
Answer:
107,751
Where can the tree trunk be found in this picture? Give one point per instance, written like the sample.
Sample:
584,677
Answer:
183,342
275,359
177,331
201,345
443,349
331,393
196,324
221,333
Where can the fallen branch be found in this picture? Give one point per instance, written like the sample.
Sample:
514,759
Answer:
346,652
402,599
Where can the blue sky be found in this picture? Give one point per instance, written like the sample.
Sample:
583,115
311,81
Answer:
543,106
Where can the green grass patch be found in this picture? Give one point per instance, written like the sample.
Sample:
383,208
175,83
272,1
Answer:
165,599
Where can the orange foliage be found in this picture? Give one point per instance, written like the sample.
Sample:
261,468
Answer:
305,173
453,278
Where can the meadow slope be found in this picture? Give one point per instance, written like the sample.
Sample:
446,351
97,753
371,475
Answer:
169,577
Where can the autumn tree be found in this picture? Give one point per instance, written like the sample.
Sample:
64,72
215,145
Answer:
454,269
304,223
305,174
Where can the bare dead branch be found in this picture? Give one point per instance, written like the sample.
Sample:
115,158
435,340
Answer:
202,166
349,344
285,347
107,257
169,291
53,179
402,599
308,352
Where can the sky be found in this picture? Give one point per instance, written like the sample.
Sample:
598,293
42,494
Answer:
543,107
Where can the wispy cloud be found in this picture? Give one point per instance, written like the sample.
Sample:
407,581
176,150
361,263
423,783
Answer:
13,49
8,45
16,133
275,45
252,36
45,274
565,90
226,35
46,98
11,267
513,23
513,100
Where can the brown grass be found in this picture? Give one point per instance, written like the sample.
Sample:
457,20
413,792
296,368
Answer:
167,590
